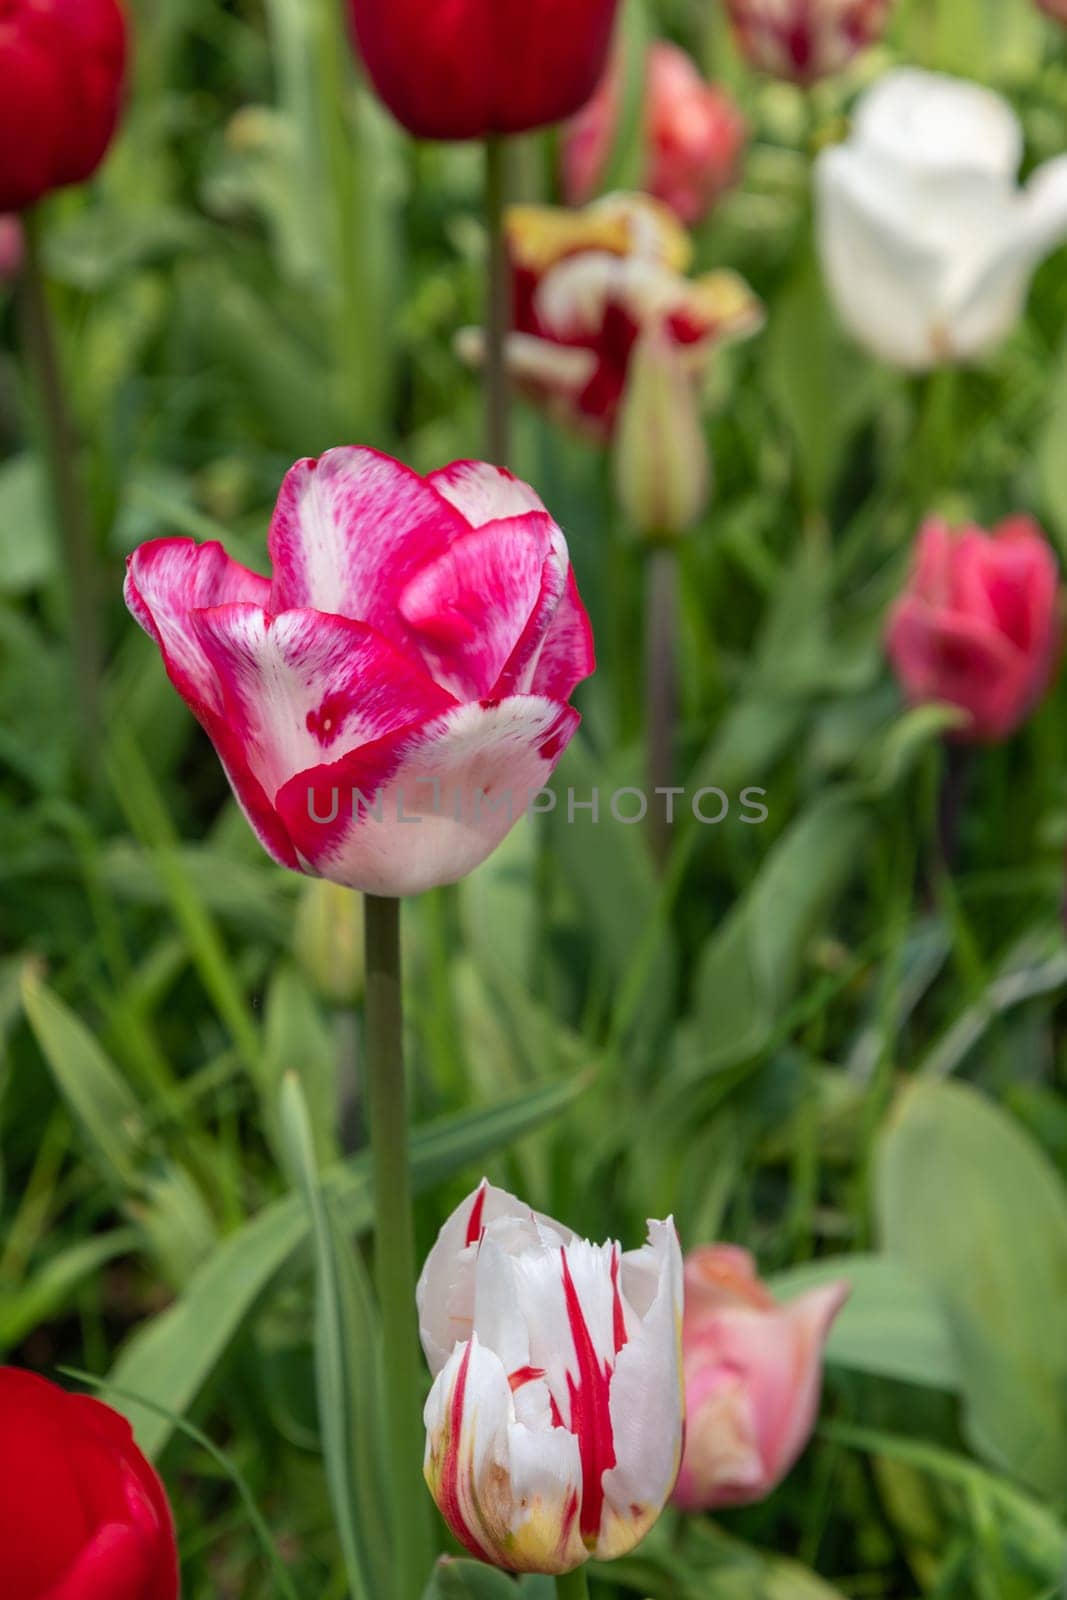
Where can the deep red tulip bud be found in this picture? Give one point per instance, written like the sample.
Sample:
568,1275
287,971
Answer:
978,624
464,69
694,136
82,1514
804,40
62,67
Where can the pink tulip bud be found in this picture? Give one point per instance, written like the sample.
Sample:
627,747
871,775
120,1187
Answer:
694,136
1054,8
978,623
804,40
753,1374
11,249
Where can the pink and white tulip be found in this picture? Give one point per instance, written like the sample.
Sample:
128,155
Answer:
978,625
753,1375
694,136
387,705
554,1425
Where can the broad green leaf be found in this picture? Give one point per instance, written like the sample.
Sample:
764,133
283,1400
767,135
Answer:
98,1096
344,1337
969,1202
171,1359
468,1580
296,1039
892,1324
27,545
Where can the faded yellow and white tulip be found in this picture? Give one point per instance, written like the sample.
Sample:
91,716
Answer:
662,460
554,1425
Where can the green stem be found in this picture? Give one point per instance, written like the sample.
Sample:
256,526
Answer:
395,1247
661,690
573,1585
498,309
60,448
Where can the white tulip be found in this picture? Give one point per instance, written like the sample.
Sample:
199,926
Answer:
554,1425
927,240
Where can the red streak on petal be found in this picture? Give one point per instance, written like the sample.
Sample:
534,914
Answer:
569,1515
474,1224
590,1411
524,1375
618,1318
450,1501
557,1414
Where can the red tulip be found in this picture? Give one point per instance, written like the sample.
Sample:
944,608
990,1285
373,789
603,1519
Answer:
753,1374
805,40
389,705
464,69
62,67
694,135
978,624
1054,8
82,1514
588,284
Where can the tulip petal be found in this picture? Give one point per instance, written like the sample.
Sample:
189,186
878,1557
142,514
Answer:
114,1564
301,686
166,581
425,806
950,657
483,493
887,284
938,123
787,1416
509,1493
446,1289
481,610
646,1389
350,530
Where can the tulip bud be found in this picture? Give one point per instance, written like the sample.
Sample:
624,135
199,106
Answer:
662,461
82,1513
11,249
694,135
328,941
1056,9
554,1425
804,40
753,1374
466,70
62,67
978,624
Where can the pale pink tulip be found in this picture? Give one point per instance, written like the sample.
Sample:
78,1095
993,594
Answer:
753,1376
978,625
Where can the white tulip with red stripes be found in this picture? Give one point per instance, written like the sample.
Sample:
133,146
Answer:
555,1422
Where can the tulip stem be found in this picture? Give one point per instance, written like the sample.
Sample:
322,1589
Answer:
394,1242
60,448
573,1585
661,691
498,309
